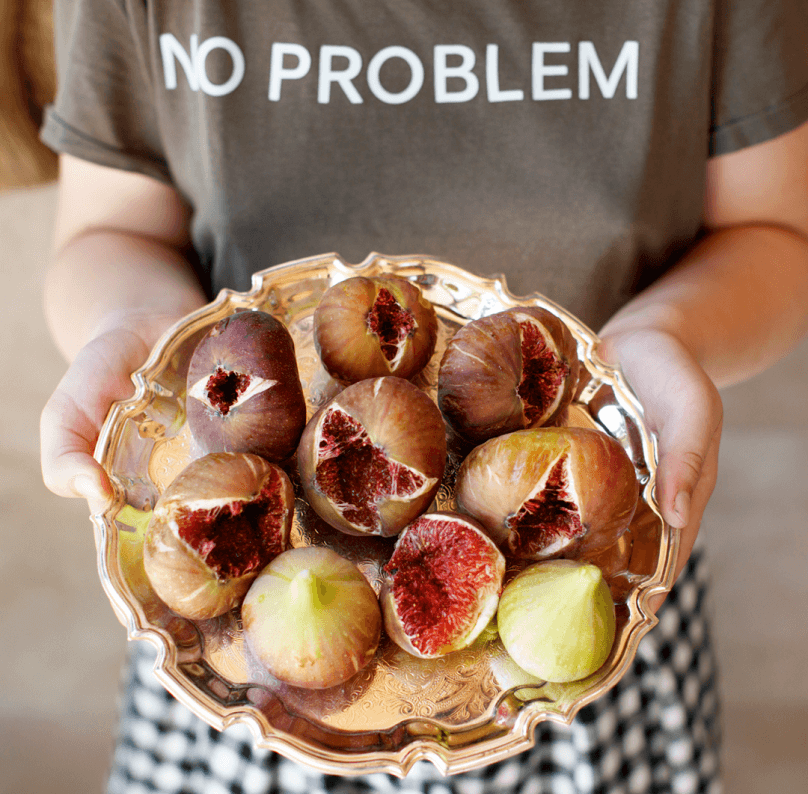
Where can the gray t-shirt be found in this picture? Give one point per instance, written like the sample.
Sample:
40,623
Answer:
561,143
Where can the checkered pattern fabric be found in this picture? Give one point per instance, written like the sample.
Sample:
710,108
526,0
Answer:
656,732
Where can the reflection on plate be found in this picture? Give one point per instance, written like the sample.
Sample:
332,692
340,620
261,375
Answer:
461,711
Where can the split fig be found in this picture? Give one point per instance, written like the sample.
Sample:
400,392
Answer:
550,492
244,391
508,371
223,518
373,327
441,585
372,458
311,618
556,620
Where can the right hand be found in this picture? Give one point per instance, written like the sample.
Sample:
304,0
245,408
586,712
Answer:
73,416
119,278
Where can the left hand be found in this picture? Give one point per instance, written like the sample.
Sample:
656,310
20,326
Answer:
683,408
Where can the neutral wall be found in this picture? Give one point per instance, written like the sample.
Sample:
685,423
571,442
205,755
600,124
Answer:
62,646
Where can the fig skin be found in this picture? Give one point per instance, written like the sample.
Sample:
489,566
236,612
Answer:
498,477
557,621
315,632
444,564
402,423
269,415
482,369
178,570
348,347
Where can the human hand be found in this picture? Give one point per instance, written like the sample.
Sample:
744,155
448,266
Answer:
71,420
683,408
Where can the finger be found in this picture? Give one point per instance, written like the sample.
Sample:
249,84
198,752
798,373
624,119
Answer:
67,439
682,406
700,496
72,418
689,533
688,426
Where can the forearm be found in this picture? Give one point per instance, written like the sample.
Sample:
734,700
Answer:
103,280
738,301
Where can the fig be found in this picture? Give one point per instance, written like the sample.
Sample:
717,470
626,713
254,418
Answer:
509,675
556,620
244,391
508,371
550,492
441,585
373,327
223,518
372,458
311,618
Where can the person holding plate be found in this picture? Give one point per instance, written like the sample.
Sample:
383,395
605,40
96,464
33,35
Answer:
643,165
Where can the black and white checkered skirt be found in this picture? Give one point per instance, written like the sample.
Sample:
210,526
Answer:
656,732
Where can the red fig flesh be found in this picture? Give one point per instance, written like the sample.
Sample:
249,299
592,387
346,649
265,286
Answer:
222,519
373,457
373,327
508,371
550,492
244,392
442,584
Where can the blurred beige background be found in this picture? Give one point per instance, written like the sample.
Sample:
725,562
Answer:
62,645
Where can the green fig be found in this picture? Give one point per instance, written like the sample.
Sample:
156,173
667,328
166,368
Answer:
311,618
556,619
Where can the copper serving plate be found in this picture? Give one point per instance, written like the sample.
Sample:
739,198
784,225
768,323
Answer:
460,712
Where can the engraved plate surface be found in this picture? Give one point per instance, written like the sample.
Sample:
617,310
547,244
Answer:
460,712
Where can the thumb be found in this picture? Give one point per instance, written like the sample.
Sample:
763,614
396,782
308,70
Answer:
89,482
73,416
68,467
684,446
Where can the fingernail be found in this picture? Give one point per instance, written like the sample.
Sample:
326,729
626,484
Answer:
84,486
681,508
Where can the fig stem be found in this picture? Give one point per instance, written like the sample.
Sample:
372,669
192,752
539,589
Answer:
308,590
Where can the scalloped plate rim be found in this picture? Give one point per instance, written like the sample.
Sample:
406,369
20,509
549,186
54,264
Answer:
423,748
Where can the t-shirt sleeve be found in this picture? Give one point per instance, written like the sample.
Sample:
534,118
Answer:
104,110
760,85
